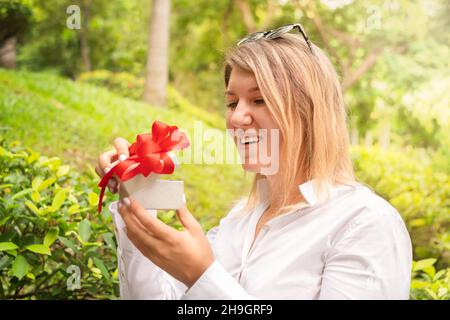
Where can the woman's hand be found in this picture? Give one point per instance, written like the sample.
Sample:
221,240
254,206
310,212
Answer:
185,255
108,159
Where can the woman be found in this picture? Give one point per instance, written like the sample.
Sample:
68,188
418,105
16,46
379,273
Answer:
307,230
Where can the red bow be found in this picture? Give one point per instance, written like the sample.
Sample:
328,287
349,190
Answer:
148,154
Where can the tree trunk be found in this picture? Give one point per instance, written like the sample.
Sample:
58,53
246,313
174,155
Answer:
157,69
84,44
8,53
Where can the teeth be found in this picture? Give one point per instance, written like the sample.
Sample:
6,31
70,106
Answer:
249,140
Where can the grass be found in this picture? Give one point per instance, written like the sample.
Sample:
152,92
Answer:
76,122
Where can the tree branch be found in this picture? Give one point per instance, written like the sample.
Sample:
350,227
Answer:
246,12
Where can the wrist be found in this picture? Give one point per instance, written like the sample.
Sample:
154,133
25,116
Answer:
194,276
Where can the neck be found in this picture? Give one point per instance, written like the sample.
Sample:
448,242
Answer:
275,198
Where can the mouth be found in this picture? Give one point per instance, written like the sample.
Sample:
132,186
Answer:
249,140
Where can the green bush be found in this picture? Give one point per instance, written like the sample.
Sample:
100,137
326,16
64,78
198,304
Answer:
50,232
427,284
122,83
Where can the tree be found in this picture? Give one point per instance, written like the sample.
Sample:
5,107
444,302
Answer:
83,34
14,23
157,69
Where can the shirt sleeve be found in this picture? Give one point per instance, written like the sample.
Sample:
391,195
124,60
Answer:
139,278
216,283
370,259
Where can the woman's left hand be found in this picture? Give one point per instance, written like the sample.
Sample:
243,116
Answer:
185,255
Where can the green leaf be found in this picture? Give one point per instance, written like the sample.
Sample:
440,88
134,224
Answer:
62,171
20,266
39,248
53,163
419,284
33,208
5,220
46,183
93,199
84,229
36,183
12,252
51,236
68,233
73,209
35,196
422,264
8,246
22,193
109,239
439,274
58,200
31,276
418,223
5,261
431,271
432,293
68,243
99,263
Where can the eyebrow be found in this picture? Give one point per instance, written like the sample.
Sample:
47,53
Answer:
229,93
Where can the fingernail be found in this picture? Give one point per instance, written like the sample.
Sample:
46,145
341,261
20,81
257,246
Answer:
125,230
107,169
122,157
126,201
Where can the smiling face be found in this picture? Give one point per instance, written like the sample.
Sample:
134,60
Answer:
255,132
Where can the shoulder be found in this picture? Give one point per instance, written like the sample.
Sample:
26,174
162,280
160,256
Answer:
370,216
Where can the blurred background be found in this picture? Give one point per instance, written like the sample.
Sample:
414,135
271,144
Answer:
76,74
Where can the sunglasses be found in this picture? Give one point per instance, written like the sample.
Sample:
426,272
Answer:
275,33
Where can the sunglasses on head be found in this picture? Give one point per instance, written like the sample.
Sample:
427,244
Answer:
275,33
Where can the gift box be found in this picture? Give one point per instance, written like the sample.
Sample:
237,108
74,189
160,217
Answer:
140,174
154,193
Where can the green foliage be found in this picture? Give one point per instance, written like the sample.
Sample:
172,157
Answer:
47,224
122,83
427,284
15,19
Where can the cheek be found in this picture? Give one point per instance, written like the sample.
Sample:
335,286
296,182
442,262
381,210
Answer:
228,120
265,120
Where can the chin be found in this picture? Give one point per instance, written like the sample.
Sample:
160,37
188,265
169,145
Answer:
256,168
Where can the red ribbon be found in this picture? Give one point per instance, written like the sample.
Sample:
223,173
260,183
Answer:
148,154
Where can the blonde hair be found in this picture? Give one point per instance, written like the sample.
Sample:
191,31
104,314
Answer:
303,94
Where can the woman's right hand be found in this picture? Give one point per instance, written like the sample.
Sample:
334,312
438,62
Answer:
109,158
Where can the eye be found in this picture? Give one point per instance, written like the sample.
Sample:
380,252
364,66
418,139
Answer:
260,101
232,105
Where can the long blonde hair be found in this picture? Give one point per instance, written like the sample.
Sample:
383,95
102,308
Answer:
303,94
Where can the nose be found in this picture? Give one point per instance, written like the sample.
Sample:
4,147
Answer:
241,116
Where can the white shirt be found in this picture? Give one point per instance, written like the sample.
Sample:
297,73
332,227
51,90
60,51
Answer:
352,245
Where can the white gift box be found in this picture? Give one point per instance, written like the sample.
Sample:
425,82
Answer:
154,193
